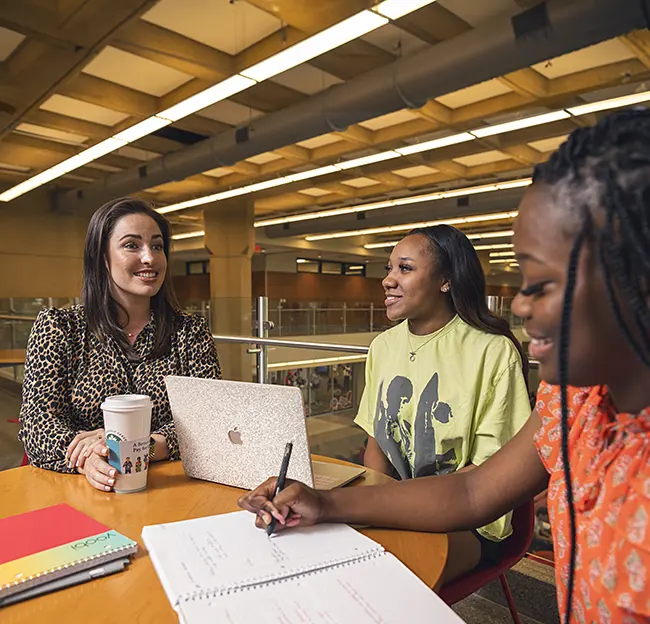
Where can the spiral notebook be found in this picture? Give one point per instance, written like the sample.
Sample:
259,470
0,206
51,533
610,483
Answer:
41,546
223,569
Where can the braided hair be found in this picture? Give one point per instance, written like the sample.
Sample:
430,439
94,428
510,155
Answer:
606,171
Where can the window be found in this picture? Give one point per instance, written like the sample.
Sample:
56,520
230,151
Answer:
197,267
304,265
354,269
331,268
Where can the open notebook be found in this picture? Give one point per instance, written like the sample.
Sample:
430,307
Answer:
223,569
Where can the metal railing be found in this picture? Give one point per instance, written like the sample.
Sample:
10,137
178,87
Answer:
258,345
261,342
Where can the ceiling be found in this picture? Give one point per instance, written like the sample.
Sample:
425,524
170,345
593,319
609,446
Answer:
74,72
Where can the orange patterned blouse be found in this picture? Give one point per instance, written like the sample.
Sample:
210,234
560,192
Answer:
610,470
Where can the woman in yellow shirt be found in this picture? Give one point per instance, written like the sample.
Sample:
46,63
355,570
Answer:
445,388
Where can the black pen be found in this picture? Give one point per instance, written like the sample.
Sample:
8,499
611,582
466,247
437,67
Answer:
280,484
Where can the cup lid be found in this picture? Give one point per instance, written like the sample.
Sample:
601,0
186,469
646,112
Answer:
121,402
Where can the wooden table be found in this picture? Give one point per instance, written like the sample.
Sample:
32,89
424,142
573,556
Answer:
136,596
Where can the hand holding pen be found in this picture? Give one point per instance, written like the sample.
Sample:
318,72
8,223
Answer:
281,482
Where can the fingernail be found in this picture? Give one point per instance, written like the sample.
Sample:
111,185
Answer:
112,473
111,481
78,461
104,451
107,488
69,464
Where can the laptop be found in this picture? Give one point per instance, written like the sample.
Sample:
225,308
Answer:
234,433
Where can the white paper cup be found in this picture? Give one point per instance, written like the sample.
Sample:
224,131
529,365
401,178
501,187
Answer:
127,423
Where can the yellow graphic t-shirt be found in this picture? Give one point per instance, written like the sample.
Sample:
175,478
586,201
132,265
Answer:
458,401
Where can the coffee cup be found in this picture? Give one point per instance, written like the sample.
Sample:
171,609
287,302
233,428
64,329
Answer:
127,423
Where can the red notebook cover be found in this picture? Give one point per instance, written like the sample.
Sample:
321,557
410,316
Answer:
36,531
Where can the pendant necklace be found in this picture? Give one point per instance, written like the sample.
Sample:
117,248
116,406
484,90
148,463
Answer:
413,352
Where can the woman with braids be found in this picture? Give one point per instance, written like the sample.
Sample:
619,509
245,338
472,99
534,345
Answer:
445,388
583,243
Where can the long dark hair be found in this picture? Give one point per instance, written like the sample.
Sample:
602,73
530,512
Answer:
100,307
608,167
457,262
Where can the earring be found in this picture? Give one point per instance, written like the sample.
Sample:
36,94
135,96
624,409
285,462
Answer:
445,288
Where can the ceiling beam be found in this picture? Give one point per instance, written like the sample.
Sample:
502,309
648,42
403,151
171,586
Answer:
37,67
109,95
527,82
173,50
433,24
638,42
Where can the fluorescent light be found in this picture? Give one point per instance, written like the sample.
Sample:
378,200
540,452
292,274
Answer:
518,124
494,246
304,261
188,235
221,91
74,162
470,236
380,245
394,9
401,201
310,173
497,216
367,160
436,144
250,188
502,260
349,29
497,254
594,107
482,235
356,267
142,129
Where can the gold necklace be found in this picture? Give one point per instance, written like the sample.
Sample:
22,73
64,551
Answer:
412,351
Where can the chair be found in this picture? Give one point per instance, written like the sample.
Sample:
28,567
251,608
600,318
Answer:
514,550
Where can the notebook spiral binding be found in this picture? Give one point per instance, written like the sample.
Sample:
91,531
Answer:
274,580
59,571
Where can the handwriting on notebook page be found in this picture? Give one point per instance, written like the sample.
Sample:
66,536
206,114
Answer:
378,590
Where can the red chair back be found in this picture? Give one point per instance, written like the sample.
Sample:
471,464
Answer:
514,549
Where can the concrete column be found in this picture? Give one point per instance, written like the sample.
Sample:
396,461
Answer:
230,240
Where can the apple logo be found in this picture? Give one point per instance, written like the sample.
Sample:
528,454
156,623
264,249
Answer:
235,436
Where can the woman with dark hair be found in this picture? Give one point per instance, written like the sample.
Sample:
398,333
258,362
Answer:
445,389
582,239
125,338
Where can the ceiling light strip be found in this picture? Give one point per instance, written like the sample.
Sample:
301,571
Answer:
477,236
185,235
331,38
401,201
497,216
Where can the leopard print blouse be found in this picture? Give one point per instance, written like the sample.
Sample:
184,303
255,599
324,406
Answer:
69,373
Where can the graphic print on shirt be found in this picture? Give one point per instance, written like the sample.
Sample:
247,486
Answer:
412,449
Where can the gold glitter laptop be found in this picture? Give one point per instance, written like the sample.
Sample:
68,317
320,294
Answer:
234,433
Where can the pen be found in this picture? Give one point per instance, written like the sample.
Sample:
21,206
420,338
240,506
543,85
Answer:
281,479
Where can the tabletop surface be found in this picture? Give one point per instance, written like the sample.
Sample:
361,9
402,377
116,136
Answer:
136,594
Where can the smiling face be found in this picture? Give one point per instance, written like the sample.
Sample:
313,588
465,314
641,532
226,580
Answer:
135,258
413,290
545,232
